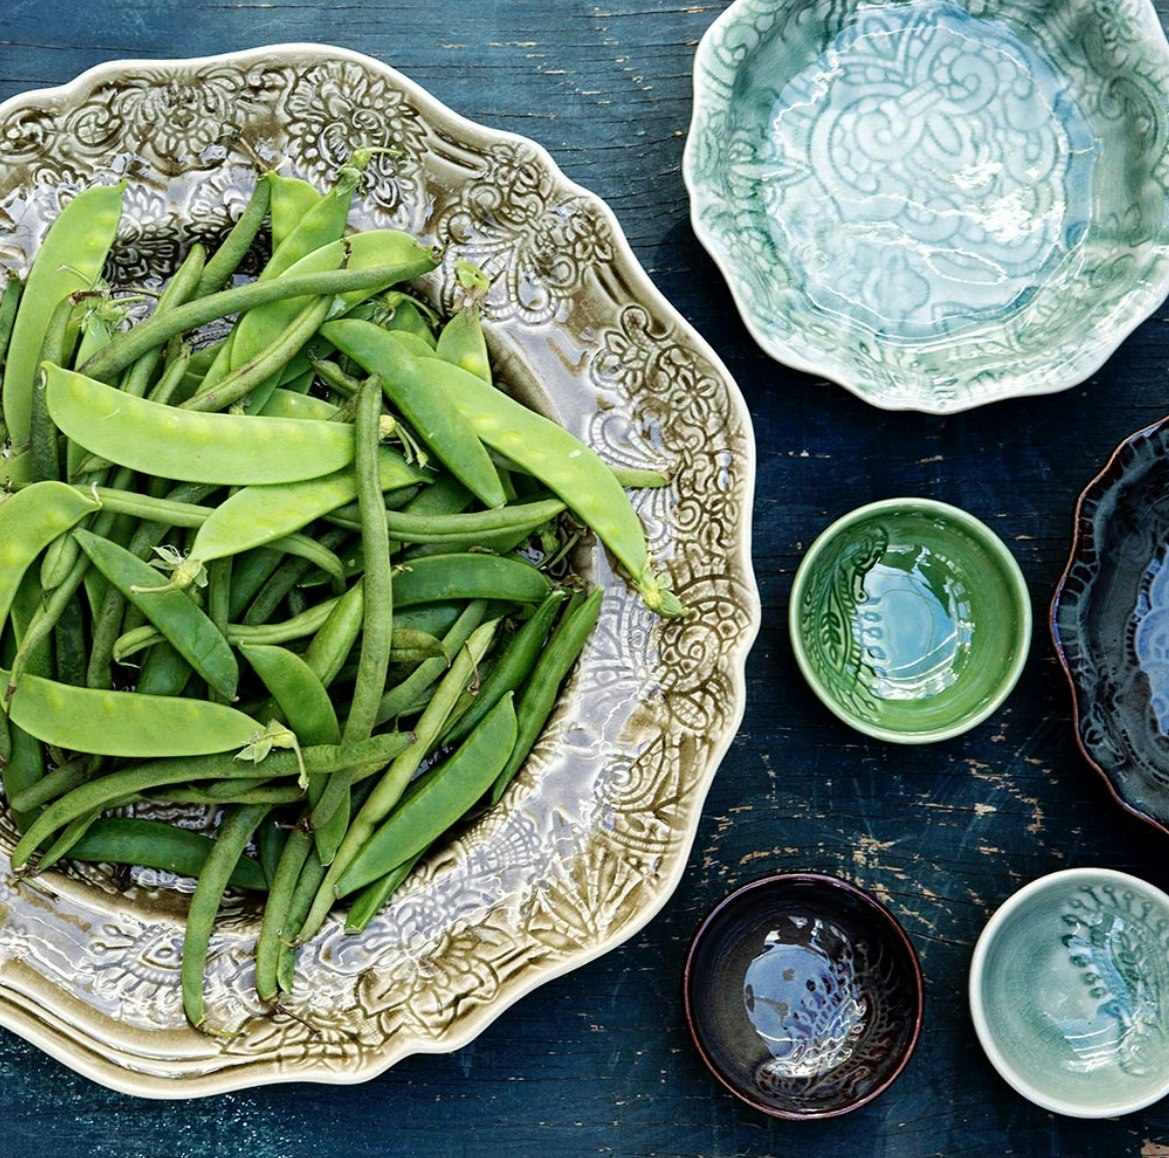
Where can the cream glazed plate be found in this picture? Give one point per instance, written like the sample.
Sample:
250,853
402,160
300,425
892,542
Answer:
594,834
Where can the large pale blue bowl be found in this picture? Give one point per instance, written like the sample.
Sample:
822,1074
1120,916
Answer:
935,203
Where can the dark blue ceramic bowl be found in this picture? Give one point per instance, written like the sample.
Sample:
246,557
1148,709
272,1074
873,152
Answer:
1110,623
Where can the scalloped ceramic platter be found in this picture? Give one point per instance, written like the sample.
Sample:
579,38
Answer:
596,830
935,204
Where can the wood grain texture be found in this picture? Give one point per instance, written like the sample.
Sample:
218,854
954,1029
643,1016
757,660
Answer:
598,1062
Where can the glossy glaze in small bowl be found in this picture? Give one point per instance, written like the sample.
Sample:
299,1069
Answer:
936,204
1069,991
910,619
1110,623
803,995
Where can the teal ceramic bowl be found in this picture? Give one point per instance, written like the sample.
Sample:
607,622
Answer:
1069,992
935,203
910,619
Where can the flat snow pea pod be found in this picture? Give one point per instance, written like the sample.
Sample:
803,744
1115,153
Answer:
9,303
291,199
298,692
157,844
235,830
436,800
404,378
228,449
468,575
567,466
70,258
461,342
30,519
115,723
255,516
182,622
284,403
372,898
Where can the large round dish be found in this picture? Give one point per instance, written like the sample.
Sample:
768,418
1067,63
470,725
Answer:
595,832
939,203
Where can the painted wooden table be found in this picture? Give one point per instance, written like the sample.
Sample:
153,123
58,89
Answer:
598,1062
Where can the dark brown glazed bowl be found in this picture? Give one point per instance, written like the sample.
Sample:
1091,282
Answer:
803,995
1110,623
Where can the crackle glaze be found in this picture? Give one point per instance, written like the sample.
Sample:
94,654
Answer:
1069,989
594,834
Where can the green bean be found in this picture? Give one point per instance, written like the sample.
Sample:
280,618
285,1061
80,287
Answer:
515,518
401,698
393,781
161,771
181,287
436,800
164,672
377,629
30,520
514,665
234,247
277,911
71,257
158,845
540,691
226,449
246,376
9,303
56,346
156,330
274,794
444,432
29,796
234,833
116,723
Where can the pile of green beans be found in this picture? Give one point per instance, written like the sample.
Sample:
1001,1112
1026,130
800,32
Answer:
307,575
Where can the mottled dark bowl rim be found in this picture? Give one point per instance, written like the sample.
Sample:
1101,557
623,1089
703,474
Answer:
1109,475
883,918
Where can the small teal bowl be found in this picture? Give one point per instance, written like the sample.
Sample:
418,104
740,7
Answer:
1069,992
910,620
935,203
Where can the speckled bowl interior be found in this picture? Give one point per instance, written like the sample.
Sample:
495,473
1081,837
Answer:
1110,622
935,203
803,995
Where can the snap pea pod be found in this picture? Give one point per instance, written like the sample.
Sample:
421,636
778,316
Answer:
181,621
227,449
158,845
235,831
436,800
391,784
30,519
514,665
70,258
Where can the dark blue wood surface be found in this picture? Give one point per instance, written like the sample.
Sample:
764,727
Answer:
598,1062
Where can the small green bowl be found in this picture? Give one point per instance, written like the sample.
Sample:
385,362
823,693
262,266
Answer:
910,619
